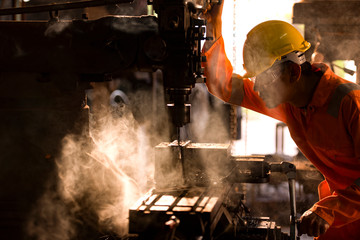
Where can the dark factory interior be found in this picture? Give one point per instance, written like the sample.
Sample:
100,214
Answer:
107,128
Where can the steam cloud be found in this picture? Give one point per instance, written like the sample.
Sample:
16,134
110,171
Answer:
96,179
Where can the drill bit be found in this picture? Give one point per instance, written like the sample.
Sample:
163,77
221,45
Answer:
181,154
178,135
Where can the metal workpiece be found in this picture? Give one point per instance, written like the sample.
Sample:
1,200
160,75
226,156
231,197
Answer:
203,163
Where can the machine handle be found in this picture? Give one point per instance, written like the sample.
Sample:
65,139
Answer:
290,170
293,220
172,224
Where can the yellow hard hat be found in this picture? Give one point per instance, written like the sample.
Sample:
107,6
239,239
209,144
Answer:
268,42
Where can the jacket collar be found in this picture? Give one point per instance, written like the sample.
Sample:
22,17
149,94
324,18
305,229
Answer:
324,87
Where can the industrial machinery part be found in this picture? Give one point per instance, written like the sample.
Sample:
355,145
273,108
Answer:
182,30
118,97
94,49
60,6
201,190
250,169
290,170
177,46
215,212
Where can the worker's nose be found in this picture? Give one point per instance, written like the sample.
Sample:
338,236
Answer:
257,85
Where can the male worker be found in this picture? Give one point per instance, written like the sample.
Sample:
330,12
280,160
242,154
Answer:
321,110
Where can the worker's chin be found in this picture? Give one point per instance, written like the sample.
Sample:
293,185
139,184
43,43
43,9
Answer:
271,104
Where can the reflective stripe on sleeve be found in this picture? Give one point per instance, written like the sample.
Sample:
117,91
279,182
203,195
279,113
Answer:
340,92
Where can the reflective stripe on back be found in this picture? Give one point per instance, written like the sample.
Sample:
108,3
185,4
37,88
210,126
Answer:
340,92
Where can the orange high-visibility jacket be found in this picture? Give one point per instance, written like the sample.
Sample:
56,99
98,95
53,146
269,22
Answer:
327,132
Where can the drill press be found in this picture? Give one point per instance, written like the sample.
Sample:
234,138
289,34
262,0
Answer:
182,31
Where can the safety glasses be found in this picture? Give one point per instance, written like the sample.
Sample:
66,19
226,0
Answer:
269,76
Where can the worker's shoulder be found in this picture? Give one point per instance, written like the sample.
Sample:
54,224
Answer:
344,93
348,91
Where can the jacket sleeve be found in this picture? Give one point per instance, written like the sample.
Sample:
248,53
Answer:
218,71
342,206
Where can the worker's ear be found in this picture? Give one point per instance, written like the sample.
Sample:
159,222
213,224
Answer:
295,71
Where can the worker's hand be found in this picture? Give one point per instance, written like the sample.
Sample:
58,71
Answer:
312,224
214,11
213,19
213,23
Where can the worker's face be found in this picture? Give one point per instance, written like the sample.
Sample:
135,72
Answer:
271,85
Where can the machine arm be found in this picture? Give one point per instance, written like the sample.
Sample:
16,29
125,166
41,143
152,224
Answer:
182,30
254,169
60,6
174,46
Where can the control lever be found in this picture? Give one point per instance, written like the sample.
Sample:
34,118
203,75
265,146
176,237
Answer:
172,224
290,170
